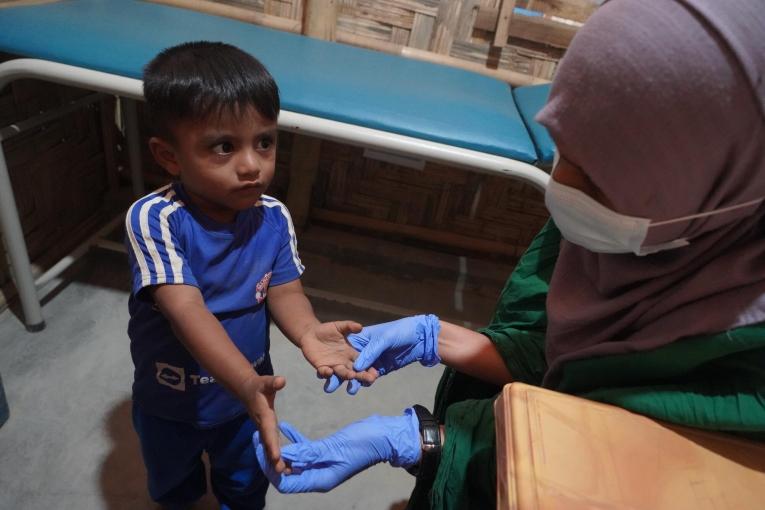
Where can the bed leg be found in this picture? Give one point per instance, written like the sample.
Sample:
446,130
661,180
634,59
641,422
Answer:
16,248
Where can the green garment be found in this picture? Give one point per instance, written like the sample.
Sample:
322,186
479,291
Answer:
715,382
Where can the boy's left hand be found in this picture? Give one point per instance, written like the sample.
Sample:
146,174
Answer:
258,394
326,347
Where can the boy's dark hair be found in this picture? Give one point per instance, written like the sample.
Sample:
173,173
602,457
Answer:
197,79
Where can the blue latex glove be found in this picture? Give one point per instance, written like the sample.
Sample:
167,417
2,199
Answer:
392,345
333,382
322,465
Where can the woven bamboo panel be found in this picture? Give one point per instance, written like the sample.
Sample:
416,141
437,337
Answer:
482,32
58,171
439,199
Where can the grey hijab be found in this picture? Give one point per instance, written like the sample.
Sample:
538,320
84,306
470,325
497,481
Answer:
662,104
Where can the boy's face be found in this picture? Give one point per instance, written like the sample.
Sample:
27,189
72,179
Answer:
225,162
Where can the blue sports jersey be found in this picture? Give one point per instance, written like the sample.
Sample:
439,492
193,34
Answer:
171,242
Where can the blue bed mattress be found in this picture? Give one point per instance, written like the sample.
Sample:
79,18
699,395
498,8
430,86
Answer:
318,78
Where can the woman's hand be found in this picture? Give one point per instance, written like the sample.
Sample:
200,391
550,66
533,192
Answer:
321,465
389,346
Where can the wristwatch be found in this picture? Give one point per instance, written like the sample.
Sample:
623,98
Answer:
430,436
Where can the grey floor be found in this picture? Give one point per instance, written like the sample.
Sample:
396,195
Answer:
69,442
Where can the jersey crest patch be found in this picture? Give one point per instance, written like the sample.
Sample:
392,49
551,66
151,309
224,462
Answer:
261,289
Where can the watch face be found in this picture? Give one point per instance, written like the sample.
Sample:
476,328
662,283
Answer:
430,435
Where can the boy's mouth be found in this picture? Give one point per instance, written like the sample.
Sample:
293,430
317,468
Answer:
250,186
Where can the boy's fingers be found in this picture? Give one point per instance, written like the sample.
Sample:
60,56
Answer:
368,376
265,419
344,372
348,327
269,438
275,383
324,371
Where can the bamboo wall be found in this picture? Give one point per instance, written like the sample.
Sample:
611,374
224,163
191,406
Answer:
480,35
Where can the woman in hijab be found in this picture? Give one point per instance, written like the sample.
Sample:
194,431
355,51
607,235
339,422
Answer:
646,289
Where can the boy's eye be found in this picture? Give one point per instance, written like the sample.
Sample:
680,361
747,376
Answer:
223,148
265,143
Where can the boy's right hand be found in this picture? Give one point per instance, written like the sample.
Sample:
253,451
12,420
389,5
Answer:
392,345
258,393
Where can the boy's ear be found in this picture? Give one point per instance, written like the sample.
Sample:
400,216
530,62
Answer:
164,154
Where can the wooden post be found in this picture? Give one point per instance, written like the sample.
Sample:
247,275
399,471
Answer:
304,166
502,31
239,13
109,135
320,19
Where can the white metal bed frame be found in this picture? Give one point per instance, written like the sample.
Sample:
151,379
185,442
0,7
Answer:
132,89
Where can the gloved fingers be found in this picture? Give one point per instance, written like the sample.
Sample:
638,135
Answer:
311,480
369,354
301,479
302,455
292,433
353,387
265,465
358,340
333,382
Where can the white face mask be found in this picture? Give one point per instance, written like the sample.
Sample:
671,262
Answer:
586,222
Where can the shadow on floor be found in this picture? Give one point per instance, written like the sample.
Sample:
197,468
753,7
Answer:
123,476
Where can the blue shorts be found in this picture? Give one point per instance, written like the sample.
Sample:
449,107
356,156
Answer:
172,453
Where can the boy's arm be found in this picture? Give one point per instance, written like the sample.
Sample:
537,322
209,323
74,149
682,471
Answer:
324,345
204,337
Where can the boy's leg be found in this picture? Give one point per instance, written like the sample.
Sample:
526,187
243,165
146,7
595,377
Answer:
172,453
237,480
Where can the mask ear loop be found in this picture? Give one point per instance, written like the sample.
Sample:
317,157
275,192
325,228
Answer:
556,160
683,241
723,210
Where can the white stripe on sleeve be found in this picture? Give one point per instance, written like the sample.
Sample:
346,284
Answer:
176,263
272,202
145,275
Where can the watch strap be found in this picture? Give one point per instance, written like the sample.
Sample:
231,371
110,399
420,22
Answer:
430,437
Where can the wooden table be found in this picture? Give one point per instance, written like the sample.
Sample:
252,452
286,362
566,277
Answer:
556,451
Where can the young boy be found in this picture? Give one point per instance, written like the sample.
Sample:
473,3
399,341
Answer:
213,261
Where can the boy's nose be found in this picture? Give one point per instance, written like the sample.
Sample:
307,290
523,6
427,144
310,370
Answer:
248,165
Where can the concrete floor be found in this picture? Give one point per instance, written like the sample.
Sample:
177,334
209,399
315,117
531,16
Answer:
69,442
